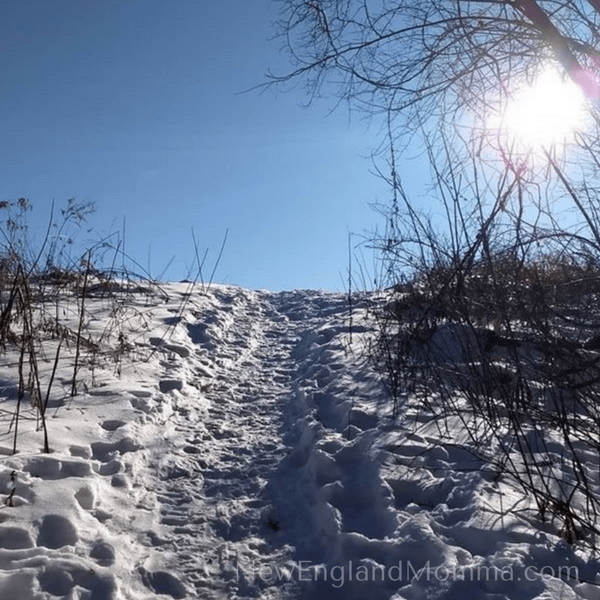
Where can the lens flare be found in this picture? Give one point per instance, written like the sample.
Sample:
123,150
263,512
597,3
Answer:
544,114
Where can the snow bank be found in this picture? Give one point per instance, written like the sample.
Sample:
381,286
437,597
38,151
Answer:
243,447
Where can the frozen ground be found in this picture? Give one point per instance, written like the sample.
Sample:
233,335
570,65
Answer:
242,447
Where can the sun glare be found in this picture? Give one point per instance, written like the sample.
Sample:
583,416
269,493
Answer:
544,114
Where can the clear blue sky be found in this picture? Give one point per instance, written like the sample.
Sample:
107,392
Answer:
136,106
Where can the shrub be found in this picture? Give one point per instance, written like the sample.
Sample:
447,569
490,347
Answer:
507,344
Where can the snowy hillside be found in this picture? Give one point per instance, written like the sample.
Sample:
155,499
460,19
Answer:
234,444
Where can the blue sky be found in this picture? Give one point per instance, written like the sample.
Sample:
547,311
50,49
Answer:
135,105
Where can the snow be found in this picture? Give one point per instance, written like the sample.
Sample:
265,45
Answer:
230,444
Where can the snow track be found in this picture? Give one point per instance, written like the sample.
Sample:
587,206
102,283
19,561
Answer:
240,497
214,496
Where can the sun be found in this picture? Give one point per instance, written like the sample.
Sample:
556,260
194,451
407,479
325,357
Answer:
543,115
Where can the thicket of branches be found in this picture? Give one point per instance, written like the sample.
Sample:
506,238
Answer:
48,294
490,318
70,308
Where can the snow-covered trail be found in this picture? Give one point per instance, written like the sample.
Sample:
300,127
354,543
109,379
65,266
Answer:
236,436
226,446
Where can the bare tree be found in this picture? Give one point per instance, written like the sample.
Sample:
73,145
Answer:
439,55
439,72
433,66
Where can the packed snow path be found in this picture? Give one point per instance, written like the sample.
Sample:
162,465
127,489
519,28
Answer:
215,495
225,495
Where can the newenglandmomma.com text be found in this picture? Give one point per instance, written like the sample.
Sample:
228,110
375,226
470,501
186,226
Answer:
402,572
